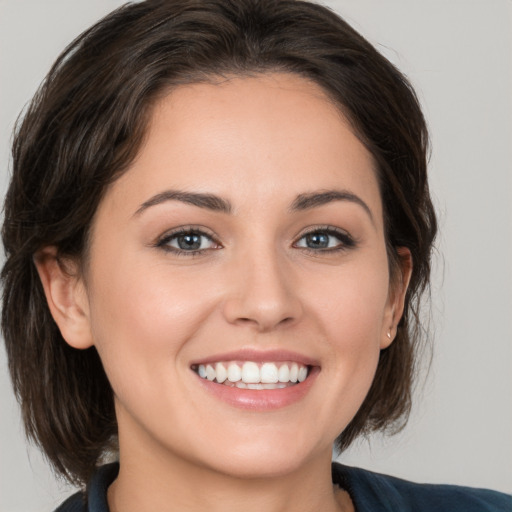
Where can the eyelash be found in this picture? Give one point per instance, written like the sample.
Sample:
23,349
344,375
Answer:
345,240
167,238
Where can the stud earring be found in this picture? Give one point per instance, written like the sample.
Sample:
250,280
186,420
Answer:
389,334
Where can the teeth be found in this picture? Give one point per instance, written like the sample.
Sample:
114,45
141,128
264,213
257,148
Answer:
278,385
210,372
269,373
234,372
294,372
251,375
284,373
221,372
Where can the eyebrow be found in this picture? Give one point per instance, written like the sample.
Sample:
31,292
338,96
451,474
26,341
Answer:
218,204
208,201
314,199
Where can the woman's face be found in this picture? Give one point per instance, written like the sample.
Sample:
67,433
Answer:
245,242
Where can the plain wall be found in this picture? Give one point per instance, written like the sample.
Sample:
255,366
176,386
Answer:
458,54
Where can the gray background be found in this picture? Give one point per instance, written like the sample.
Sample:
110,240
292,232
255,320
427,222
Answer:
458,54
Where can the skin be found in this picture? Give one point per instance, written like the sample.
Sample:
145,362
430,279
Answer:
259,143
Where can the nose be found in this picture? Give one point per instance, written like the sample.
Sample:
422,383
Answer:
262,294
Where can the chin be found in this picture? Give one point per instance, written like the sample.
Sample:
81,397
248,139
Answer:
268,457
261,466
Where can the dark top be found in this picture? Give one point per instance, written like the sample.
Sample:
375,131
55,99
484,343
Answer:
370,492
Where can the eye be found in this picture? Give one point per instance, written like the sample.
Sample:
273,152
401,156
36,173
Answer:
325,239
187,240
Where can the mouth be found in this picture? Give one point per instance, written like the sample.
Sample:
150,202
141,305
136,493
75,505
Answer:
257,380
253,375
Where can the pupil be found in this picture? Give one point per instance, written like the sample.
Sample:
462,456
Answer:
318,240
188,242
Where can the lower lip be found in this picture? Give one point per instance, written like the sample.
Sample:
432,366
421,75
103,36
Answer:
261,399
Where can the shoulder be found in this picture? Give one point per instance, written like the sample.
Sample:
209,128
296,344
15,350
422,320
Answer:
94,499
376,492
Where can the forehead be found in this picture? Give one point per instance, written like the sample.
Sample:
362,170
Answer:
255,138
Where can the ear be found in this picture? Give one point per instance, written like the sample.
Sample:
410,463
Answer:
396,300
66,296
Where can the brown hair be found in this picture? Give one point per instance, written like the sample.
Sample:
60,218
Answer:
84,127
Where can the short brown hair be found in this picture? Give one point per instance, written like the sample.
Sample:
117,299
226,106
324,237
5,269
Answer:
86,124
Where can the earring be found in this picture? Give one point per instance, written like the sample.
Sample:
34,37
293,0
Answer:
389,334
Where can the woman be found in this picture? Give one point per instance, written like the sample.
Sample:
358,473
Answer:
218,230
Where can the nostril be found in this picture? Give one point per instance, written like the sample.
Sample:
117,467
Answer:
245,320
264,324
262,309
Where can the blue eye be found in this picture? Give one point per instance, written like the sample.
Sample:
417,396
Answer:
328,239
189,241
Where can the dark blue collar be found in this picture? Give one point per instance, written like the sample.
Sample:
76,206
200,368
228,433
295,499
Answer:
370,492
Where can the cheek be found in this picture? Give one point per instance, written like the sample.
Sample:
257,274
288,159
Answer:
351,313
142,318
354,303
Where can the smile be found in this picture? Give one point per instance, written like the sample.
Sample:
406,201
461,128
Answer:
252,375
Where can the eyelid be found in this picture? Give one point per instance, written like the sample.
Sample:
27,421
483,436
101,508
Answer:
163,239
347,241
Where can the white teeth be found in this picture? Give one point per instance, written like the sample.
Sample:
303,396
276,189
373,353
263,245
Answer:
250,373
234,372
222,373
294,372
210,372
253,375
284,373
278,385
269,373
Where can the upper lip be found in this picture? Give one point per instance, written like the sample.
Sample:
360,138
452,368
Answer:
258,356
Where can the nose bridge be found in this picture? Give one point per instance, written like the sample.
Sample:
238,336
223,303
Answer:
262,291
